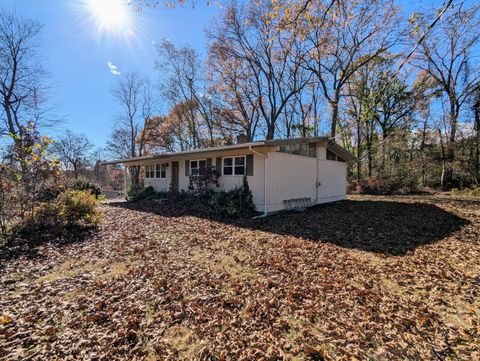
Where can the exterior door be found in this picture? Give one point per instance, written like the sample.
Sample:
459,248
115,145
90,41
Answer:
175,168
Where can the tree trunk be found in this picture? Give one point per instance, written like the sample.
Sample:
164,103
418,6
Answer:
359,152
451,143
271,131
442,178
333,130
477,126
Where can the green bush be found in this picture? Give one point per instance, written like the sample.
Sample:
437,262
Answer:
79,206
68,208
136,195
83,185
237,202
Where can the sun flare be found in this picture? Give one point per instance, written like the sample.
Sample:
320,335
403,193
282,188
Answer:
110,15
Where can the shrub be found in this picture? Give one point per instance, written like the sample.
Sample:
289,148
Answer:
83,185
376,186
237,202
70,208
141,194
204,181
78,206
47,215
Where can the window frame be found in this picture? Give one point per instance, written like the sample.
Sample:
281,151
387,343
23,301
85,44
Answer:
148,171
197,168
234,174
163,170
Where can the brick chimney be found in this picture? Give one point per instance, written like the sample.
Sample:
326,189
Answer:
242,138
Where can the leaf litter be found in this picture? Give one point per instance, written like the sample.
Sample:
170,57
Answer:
369,278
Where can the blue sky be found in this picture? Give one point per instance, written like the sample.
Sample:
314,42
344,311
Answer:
76,54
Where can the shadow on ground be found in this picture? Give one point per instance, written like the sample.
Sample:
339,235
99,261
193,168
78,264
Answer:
390,228
27,242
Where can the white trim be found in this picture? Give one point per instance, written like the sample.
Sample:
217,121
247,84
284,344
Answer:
233,166
198,162
265,183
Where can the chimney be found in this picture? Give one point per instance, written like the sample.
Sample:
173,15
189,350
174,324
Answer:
242,138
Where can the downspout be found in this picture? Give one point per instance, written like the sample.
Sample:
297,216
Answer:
265,183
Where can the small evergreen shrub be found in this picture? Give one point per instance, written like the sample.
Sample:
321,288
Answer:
70,207
237,202
83,185
146,194
79,206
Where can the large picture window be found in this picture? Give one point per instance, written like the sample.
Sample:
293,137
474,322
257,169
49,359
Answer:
197,166
234,165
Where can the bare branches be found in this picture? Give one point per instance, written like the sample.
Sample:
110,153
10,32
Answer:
21,75
136,99
73,151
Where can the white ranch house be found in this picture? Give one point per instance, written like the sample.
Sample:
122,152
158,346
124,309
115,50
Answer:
282,174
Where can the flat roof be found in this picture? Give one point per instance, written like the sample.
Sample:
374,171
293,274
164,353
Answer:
262,143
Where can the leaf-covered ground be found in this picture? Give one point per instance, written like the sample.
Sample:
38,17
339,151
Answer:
368,278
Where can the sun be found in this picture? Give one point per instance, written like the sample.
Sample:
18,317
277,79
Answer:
109,15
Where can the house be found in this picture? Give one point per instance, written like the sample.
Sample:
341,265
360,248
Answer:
282,174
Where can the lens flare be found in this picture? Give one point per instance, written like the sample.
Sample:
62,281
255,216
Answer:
109,15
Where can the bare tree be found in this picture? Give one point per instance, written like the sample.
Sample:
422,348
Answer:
235,84
244,35
342,38
21,74
445,55
185,84
135,96
73,151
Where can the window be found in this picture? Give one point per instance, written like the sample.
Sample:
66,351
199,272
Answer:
227,166
234,165
150,171
307,150
197,166
161,170
239,165
331,155
156,170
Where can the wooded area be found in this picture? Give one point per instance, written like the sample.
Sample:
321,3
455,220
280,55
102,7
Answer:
401,93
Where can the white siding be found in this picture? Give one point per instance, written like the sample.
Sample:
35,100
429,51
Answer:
159,184
332,177
290,177
255,182
293,176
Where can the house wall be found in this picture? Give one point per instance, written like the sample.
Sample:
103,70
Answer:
293,176
289,176
332,180
255,182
